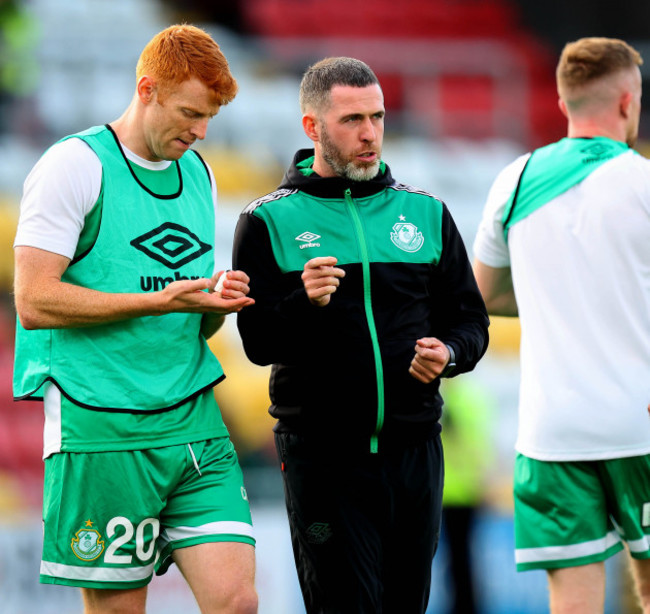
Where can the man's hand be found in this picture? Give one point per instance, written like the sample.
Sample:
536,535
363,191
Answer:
321,279
234,284
431,357
188,296
230,286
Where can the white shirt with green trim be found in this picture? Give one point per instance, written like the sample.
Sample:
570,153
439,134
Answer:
581,273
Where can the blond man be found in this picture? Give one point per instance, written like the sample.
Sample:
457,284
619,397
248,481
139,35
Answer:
564,244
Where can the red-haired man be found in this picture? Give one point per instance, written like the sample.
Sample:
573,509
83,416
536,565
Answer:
115,292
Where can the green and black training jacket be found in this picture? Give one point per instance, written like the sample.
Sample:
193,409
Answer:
342,371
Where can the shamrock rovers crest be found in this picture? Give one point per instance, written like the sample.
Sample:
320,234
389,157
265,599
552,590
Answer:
406,236
87,544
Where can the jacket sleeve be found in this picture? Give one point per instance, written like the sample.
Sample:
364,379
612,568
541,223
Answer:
272,328
459,316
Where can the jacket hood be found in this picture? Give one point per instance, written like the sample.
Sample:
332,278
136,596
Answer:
299,176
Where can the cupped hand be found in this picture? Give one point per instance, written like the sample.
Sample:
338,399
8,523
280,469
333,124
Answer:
431,357
321,278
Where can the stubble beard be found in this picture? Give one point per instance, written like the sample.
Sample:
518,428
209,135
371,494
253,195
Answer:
348,169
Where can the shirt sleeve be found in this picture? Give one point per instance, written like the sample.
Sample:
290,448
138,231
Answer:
458,313
58,193
490,246
274,329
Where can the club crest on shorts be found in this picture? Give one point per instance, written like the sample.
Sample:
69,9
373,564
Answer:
406,236
87,544
319,532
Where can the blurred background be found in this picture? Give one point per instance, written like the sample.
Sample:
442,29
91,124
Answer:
469,85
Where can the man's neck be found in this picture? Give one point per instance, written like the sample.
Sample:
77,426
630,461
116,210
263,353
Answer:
128,132
588,129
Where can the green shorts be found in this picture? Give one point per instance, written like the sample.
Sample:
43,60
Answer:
574,513
111,519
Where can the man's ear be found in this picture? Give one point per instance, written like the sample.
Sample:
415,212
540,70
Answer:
309,126
624,104
562,105
146,89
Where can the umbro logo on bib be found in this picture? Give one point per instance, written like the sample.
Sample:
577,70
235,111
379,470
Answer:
171,244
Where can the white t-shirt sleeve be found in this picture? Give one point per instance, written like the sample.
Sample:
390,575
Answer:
58,193
490,246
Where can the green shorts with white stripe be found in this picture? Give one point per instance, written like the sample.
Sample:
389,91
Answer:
112,519
580,512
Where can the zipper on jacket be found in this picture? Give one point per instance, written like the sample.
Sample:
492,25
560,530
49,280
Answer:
370,318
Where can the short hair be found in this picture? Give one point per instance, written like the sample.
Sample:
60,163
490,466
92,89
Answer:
182,52
321,77
589,59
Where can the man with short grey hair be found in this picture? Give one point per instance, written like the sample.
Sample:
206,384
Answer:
364,299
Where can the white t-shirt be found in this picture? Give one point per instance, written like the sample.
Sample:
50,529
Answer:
581,274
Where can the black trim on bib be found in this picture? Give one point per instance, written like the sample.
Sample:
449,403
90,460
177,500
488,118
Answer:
31,396
514,198
144,187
